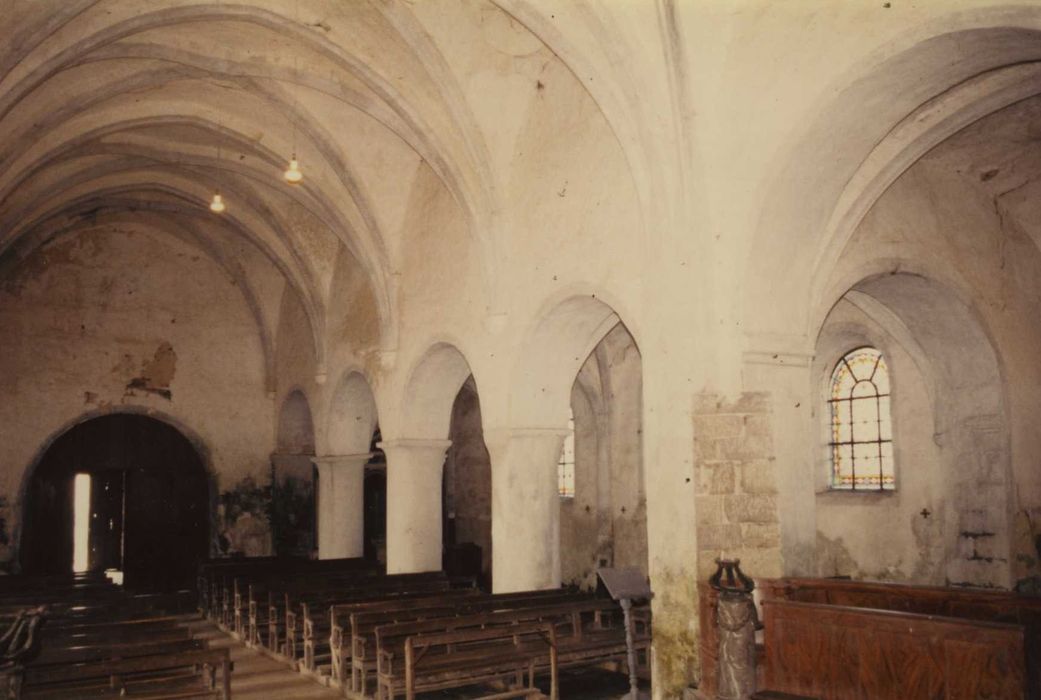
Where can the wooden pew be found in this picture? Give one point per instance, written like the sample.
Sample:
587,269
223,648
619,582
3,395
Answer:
587,633
339,621
836,652
364,622
340,591
97,640
480,656
216,577
166,675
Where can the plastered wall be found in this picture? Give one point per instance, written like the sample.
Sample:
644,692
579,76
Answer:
119,319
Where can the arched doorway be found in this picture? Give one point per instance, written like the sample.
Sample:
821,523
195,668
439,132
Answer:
148,503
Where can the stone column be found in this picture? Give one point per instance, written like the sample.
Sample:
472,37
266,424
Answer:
525,508
341,514
414,474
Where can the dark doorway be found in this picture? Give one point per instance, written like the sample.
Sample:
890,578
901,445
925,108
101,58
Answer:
374,503
149,503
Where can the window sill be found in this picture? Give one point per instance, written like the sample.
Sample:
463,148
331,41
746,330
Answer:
859,495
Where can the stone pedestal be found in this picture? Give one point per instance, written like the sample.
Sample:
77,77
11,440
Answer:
525,508
341,514
414,473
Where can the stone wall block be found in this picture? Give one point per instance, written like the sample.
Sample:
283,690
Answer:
716,478
709,510
719,538
751,445
748,508
714,427
706,404
757,476
752,402
760,535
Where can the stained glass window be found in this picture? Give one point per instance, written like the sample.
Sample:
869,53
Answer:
861,429
566,465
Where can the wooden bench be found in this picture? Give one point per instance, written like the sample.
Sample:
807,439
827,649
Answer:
588,633
339,623
298,598
510,654
97,640
285,619
166,675
361,654
216,577
837,652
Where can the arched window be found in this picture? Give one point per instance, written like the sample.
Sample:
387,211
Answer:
566,465
861,429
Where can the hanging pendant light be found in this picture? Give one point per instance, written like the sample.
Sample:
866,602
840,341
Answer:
292,174
217,204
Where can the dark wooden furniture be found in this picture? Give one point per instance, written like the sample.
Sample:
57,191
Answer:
972,604
837,653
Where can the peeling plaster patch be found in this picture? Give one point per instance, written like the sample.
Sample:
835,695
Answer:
833,559
157,373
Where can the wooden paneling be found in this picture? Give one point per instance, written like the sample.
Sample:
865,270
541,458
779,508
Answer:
844,653
963,603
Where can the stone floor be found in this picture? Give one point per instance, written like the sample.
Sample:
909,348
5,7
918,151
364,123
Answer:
259,677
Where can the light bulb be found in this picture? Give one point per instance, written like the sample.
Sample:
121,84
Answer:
217,205
293,175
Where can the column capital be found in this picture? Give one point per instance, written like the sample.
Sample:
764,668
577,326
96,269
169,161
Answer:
414,444
342,460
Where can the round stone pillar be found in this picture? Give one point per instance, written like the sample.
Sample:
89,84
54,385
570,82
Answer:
414,472
341,513
525,508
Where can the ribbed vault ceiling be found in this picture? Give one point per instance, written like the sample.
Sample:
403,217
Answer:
112,110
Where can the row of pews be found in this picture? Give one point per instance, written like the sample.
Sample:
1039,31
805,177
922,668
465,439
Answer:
384,636
832,639
91,639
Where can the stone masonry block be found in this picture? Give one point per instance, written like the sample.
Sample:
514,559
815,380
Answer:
705,404
715,427
752,402
760,535
708,509
749,508
719,538
751,445
757,476
716,478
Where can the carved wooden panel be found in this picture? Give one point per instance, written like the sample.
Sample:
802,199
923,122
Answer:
844,653
965,603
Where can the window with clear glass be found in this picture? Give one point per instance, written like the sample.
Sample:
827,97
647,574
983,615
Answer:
566,465
861,428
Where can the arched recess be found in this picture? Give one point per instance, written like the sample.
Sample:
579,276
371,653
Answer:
352,416
431,390
580,333
875,123
150,493
415,461
293,522
351,485
948,519
604,524
468,491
